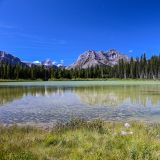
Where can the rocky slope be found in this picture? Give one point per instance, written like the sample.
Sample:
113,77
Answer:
8,58
100,58
47,63
85,60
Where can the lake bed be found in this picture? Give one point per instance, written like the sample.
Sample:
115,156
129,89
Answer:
48,102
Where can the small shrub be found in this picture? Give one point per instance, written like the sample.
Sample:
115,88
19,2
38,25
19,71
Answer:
134,153
51,140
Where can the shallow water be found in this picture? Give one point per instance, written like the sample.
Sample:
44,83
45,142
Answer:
49,102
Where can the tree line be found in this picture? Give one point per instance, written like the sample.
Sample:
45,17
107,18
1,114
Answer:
139,68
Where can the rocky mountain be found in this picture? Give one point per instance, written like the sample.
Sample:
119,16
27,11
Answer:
8,58
87,59
93,58
47,63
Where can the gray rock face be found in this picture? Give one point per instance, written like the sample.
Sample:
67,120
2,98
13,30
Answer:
93,58
8,58
47,63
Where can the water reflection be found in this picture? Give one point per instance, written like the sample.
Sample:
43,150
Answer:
92,95
47,104
116,95
9,94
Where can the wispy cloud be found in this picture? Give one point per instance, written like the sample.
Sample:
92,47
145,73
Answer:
54,62
33,41
130,51
62,61
47,42
5,26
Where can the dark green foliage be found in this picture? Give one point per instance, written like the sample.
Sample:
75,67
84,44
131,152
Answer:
74,124
139,68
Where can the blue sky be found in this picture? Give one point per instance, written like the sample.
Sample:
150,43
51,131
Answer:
63,29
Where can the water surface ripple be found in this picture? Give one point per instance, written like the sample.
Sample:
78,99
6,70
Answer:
49,102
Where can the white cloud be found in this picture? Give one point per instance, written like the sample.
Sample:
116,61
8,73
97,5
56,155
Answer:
131,51
36,62
62,61
54,62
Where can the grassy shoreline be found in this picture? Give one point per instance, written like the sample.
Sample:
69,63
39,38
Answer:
79,139
88,79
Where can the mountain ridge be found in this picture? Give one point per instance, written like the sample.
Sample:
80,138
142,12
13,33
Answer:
9,58
87,59
93,58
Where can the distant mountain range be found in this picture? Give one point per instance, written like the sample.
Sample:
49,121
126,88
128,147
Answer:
86,60
10,59
46,63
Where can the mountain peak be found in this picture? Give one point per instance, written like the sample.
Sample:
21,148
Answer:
93,58
8,58
47,62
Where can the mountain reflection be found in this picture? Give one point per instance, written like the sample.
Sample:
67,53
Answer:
92,95
116,95
9,94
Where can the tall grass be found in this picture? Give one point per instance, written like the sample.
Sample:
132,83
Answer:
79,139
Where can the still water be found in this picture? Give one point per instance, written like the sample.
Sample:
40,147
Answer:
49,102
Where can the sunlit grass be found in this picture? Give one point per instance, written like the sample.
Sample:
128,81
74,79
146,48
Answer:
80,139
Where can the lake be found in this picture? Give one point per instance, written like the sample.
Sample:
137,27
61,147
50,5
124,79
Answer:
49,102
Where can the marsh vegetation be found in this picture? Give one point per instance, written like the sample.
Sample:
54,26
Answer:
80,139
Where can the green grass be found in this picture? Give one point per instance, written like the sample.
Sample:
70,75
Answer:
79,79
81,140
19,80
